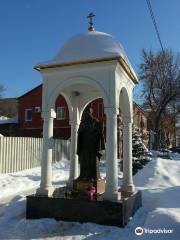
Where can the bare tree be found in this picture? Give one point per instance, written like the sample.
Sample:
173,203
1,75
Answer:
2,89
160,73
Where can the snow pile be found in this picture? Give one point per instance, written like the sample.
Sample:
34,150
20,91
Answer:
6,120
175,156
158,180
27,181
159,173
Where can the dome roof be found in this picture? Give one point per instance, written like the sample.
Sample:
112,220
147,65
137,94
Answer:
91,45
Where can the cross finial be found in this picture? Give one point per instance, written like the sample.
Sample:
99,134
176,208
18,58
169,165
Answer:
91,26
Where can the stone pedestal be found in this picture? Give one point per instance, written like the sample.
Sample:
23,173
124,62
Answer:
79,209
82,185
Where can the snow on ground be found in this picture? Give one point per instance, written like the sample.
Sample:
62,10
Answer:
158,181
26,181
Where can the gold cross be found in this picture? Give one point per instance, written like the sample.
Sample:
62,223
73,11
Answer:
90,16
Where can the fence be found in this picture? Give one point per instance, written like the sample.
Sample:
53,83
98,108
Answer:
18,153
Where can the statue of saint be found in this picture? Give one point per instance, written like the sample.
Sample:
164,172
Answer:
89,146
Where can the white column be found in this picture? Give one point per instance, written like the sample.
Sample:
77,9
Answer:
111,190
74,168
128,186
46,188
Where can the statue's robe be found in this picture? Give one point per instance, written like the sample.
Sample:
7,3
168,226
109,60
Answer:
89,146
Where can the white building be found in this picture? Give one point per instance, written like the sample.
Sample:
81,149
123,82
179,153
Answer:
88,66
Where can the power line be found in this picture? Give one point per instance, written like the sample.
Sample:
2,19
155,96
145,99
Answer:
154,23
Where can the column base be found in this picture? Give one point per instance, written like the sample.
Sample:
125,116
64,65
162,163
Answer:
112,196
45,192
127,190
71,180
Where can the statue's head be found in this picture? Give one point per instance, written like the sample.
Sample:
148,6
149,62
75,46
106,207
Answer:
86,114
89,110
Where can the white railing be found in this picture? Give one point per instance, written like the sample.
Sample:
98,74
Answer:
18,153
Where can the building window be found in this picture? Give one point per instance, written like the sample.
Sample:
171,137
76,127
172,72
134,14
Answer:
28,115
61,113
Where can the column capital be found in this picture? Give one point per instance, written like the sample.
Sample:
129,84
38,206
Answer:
48,114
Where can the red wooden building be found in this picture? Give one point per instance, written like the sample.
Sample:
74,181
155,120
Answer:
29,114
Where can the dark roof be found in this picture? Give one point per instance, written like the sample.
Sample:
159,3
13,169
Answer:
140,108
30,91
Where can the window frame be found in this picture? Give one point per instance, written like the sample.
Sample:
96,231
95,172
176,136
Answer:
26,111
61,118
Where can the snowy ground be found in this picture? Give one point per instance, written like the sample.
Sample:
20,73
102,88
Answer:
158,181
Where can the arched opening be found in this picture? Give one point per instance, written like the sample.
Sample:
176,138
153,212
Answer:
124,115
69,106
98,108
125,105
62,128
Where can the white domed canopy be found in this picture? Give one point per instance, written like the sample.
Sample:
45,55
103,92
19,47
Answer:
87,47
91,45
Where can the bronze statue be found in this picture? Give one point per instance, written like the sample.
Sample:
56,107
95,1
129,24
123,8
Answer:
89,146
